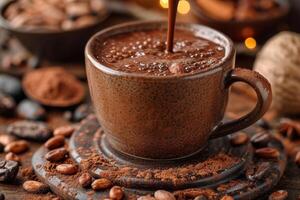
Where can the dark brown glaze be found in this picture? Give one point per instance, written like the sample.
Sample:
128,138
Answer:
172,116
145,52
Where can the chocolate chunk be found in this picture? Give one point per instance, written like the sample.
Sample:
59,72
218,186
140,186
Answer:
67,169
164,195
258,171
17,147
261,139
239,139
116,193
85,180
55,142
56,155
7,105
8,170
11,86
279,195
35,187
101,184
37,131
31,110
267,152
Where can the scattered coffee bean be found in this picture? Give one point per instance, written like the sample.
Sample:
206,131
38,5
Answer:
82,112
65,131
146,198
31,110
261,139
227,197
258,171
2,196
37,131
6,139
267,152
201,197
55,142
35,187
239,139
263,124
7,105
164,195
56,155
279,195
297,159
116,193
11,86
67,169
13,157
85,180
17,147
8,170
101,184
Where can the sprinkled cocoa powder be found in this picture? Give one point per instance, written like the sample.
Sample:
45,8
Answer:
53,86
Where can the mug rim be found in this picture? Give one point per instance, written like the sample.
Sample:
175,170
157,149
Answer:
148,25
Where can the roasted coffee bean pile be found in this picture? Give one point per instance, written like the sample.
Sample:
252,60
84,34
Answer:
54,15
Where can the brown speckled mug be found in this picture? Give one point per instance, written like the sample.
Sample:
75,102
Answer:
174,116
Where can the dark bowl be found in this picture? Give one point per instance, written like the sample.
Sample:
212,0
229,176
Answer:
240,30
60,45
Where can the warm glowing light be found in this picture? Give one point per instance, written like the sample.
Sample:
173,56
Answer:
164,3
184,7
250,43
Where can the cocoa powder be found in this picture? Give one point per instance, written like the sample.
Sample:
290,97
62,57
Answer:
53,86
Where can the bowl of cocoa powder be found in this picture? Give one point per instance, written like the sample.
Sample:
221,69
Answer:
56,30
241,19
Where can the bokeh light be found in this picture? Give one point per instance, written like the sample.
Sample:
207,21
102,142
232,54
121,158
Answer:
250,43
183,6
164,3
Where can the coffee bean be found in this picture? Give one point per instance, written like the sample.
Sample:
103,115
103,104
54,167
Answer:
263,124
164,195
11,86
6,139
67,169
267,152
201,197
8,170
261,139
116,193
239,139
35,187
227,197
56,155
279,195
55,142
13,157
258,171
36,131
101,184
17,147
85,180
82,112
2,196
65,131
7,105
146,198
31,110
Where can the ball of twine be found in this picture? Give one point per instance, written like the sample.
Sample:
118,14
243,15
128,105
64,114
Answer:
279,62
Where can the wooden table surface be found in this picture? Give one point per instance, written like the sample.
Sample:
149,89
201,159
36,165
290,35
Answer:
241,101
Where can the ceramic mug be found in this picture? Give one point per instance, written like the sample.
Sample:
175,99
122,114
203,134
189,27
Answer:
168,117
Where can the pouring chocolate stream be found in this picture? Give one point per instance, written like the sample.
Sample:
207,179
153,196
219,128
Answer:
173,4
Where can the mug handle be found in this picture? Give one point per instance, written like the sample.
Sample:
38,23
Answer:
264,98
